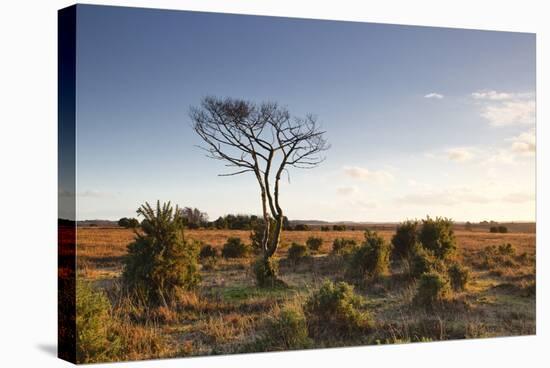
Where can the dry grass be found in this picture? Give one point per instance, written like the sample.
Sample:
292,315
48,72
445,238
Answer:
228,313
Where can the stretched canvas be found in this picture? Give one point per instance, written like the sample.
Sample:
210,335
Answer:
239,183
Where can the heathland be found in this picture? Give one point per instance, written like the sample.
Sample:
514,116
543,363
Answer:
488,290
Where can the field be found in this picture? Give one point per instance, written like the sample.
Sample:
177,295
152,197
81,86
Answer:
229,313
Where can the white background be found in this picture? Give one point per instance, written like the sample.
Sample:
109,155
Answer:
28,180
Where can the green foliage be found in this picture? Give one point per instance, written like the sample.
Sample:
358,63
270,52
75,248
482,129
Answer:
503,255
265,271
458,276
433,288
404,241
339,227
423,261
297,252
371,259
208,251
335,311
325,228
342,246
437,236
286,329
128,223
95,341
301,227
314,243
161,261
234,248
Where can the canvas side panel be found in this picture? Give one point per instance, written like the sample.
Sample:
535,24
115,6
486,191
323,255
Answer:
66,64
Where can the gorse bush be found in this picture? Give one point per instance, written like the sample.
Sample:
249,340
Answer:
342,245
265,272
458,276
160,261
297,252
503,255
286,329
437,236
371,259
336,311
95,341
234,248
423,261
208,251
433,288
314,243
404,241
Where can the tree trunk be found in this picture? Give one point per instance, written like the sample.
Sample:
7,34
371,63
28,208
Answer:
274,244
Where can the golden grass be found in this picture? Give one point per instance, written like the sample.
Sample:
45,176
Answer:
108,245
228,312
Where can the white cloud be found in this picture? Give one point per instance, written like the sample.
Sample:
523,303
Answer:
437,96
525,143
361,173
447,197
460,154
494,95
510,113
506,108
458,196
345,191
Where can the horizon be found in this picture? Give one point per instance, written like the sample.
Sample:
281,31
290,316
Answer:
422,120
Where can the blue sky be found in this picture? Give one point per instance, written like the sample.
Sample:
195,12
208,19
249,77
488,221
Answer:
421,120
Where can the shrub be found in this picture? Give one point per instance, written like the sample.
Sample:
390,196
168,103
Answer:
339,227
423,261
94,340
458,276
128,223
286,329
343,245
335,310
506,249
160,262
265,271
208,251
432,289
499,256
498,229
325,228
297,252
234,248
301,227
371,260
437,236
404,241
314,243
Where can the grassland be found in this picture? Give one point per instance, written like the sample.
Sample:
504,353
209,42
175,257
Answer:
229,313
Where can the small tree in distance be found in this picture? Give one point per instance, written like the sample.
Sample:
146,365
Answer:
262,139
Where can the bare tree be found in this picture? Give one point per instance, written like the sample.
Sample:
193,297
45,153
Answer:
262,139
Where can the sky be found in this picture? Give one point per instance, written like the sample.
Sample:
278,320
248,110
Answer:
421,120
